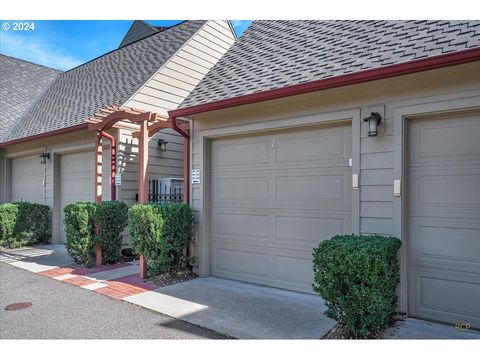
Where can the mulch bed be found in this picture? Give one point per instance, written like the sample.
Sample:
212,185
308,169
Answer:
170,278
340,332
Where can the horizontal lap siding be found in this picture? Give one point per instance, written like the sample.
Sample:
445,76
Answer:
164,92
376,153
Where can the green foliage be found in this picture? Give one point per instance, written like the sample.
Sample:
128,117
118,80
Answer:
80,231
24,223
357,276
161,233
111,217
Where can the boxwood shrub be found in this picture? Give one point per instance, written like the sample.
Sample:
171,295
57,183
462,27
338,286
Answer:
24,223
80,221
111,217
80,232
357,276
161,233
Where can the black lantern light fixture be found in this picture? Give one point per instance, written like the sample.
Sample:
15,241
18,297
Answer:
373,123
43,157
162,144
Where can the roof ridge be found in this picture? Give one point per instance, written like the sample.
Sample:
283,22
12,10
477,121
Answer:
126,46
31,62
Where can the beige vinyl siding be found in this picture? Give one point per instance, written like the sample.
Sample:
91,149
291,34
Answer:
376,153
164,92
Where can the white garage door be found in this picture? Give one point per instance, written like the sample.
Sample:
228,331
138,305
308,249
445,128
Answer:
77,180
274,197
444,219
27,180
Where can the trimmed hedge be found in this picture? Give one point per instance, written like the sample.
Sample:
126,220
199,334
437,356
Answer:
112,217
160,233
357,276
80,221
24,223
80,232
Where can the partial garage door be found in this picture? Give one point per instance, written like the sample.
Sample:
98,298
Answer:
444,219
77,180
27,180
274,197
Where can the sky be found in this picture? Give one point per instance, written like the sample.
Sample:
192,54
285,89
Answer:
64,44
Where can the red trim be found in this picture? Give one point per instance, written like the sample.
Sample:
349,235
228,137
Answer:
434,62
113,163
46,134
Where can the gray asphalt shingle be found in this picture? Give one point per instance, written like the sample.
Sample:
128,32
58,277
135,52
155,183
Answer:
21,83
108,80
273,54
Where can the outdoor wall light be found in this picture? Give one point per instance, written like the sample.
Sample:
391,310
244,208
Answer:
43,157
162,144
373,123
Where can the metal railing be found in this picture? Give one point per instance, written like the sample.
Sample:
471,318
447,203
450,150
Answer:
161,193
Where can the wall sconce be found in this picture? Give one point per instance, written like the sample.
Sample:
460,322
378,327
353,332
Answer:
43,157
373,123
162,144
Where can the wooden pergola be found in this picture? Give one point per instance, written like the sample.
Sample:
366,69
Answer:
144,125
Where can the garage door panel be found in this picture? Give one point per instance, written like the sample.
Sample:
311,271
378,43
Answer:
325,145
444,218
266,218
445,296
452,191
308,231
448,245
237,153
27,180
236,262
454,138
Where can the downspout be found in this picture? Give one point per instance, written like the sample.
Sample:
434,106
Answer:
186,158
45,179
113,163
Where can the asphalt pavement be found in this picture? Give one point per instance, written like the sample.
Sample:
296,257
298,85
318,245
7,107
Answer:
64,311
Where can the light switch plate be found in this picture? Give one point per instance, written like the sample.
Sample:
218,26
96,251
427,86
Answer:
355,181
396,188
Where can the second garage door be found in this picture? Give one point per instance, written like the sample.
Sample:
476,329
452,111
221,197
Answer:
77,180
444,219
274,197
27,180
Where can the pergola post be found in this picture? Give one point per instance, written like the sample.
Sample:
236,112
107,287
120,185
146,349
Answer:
142,180
98,188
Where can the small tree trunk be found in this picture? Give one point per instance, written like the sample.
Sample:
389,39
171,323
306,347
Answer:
98,260
143,267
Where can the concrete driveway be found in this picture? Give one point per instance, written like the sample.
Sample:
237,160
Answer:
240,310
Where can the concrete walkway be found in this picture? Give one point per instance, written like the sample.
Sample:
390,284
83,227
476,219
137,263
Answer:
240,310
420,329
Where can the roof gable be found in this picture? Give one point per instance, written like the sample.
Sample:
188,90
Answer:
276,54
108,80
139,30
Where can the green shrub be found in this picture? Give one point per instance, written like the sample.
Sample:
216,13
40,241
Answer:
80,231
357,276
24,223
161,233
111,217
8,219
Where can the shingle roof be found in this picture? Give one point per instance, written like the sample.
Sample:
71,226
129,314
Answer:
108,80
21,83
275,54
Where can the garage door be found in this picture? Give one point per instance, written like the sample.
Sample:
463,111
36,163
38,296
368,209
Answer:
274,197
77,180
27,180
444,219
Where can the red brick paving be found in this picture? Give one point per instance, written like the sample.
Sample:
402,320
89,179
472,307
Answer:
116,288
79,281
119,290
